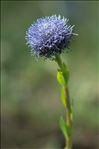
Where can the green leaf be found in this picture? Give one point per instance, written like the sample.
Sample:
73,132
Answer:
65,128
62,126
66,76
60,78
66,73
63,96
71,113
64,66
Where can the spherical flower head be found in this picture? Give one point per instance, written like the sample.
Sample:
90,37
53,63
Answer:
49,36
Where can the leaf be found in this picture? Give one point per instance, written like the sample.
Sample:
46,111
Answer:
64,66
66,73
71,113
66,76
65,128
60,78
63,96
62,126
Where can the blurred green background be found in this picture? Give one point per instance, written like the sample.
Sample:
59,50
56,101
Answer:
31,106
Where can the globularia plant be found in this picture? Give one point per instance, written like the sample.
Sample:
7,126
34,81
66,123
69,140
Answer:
48,37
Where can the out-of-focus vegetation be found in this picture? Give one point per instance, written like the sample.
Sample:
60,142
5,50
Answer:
31,106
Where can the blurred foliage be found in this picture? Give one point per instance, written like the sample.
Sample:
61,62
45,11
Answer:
30,94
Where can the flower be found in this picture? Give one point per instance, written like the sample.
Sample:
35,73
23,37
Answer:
49,36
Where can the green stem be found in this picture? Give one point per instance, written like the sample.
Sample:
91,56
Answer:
68,119
68,107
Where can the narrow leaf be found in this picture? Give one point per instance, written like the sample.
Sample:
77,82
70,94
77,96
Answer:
63,97
65,128
71,114
60,78
62,126
66,73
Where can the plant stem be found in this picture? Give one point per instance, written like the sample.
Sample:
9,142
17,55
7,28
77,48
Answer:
68,106
68,119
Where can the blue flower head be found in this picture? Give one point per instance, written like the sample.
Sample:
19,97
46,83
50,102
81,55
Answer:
49,36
